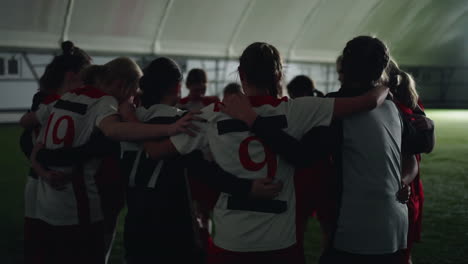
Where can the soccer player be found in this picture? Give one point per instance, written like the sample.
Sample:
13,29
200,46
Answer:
67,201
203,196
406,98
371,224
196,83
159,225
250,230
232,88
302,85
60,76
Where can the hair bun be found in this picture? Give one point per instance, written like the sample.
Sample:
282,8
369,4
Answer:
67,47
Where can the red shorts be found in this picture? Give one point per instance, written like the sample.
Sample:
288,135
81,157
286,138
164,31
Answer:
290,255
315,190
415,209
315,195
48,244
205,196
111,187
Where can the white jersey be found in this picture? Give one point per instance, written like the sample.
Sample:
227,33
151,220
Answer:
69,122
32,182
252,225
190,105
160,114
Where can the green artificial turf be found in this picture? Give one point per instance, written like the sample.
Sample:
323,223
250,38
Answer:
444,174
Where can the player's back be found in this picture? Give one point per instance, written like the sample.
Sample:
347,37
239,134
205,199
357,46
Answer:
159,218
371,220
246,224
27,141
69,122
193,105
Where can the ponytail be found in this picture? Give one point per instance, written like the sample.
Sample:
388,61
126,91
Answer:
159,77
72,59
262,66
407,90
402,85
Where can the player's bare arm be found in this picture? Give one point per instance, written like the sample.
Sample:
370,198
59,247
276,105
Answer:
55,179
409,168
29,120
265,188
238,106
114,128
347,106
408,174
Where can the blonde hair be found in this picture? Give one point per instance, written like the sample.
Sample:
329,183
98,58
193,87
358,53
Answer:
402,85
122,68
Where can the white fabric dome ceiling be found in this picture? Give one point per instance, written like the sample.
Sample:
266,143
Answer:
423,32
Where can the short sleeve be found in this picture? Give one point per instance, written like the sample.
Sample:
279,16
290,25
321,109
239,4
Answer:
43,112
106,106
307,112
186,144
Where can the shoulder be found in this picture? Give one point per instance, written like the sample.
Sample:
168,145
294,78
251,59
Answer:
158,111
211,112
310,102
89,91
49,99
209,100
184,100
46,103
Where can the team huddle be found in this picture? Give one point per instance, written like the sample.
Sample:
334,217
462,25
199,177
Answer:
231,181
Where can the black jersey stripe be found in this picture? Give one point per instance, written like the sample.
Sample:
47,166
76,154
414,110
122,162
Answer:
74,107
163,120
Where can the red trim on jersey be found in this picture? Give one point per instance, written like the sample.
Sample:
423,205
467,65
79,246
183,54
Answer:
50,99
81,196
420,105
404,108
217,106
89,91
207,100
184,100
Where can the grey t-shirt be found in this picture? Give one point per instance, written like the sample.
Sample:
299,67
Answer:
371,220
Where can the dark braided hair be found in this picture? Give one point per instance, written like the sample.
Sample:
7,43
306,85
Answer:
159,76
261,63
72,59
364,60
